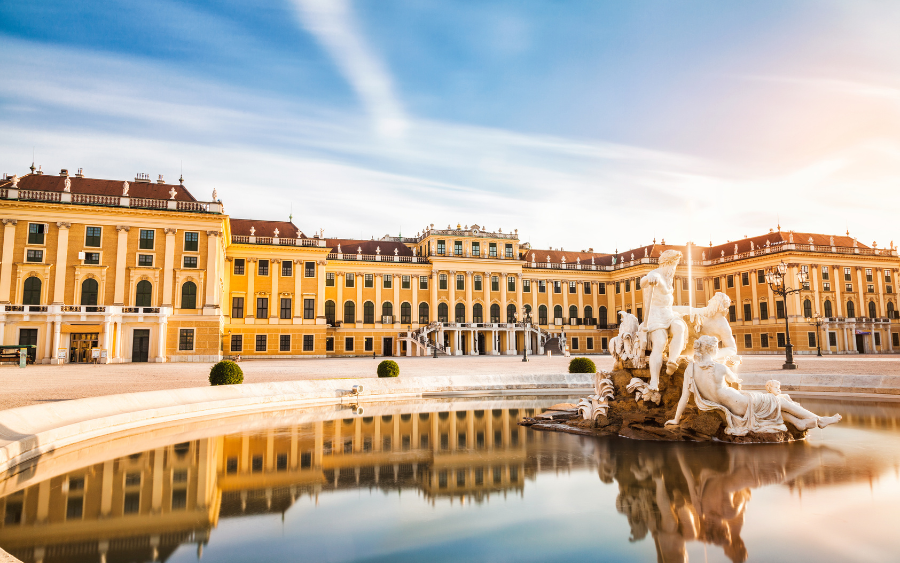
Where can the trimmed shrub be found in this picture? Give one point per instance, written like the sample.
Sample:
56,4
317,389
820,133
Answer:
582,365
226,372
388,368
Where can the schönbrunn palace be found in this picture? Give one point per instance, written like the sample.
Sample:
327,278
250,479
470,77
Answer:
142,271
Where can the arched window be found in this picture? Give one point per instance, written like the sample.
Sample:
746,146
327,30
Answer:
601,315
872,311
573,311
31,294
495,313
460,313
588,313
143,294
890,310
349,312
89,290
329,312
542,315
477,313
405,313
510,313
851,310
557,313
828,308
387,309
368,312
189,295
423,313
443,313
807,308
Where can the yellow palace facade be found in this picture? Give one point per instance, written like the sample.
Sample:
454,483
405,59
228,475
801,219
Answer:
116,271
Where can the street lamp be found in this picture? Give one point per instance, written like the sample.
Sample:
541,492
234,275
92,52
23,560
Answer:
817,322
525,322
776,278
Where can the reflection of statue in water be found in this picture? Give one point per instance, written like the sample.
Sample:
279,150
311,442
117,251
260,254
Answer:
663,324
745,411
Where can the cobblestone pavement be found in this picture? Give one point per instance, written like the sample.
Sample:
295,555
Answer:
43,383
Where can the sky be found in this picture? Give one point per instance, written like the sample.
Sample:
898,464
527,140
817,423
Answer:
601,124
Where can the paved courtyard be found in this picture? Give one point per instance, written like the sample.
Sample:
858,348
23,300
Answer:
44,383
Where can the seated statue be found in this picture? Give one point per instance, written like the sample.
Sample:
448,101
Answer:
745,411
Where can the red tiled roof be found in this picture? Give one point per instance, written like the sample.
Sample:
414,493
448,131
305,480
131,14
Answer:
351,246
93,186
556,256
263,228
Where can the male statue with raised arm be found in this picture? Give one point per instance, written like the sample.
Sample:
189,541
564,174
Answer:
662,322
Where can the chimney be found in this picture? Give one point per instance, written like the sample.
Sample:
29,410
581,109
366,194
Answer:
80,173
160,180
142,177
64,172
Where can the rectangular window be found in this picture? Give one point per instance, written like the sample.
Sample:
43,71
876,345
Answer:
745,278
460,282
832,338
476,249
732,316
730,280
779,309
237,307
349,280
848,287
404,282
586,288
557,287
601,288
824,272
574,343
717,283
287,268
423,282
895,339
763,340
877,336
440,247
779,339
887,276
509,251
145,260
628,285
369,280
457,247
190,261
618,287
763,311
329,279
526,286
826,286
811,337
870,288
309,343
442,281
91,257
262,307
511,284
868,274
573,287
847,276
147,239
748,312
261,343
699,284
34,255
542,287
284,343
92,237
348,344
748,341
492,249
760,276
36,233
478,286
239,266
495,283
309,269
286,308
263,268
329,344
309,308
191,241
186,339
684,285
237,342
369,344
590,343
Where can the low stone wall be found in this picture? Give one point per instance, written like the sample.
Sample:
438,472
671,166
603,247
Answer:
824,383
28,432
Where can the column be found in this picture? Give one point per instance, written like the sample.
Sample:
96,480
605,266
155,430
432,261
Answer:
168,267
838,280
451,286
57,326
565,297
738,303
634,302
863,307
378,283
62,253
320,291
755,305
414,283
795,282
121,258
486,309
359,287
434,298
520,307
339,305
275,301
580,289
213,252
503,285
298,270
320,445
117,353
161,340
6,261
395,283
295,448
879,278
156,494
106,488
594,304
469,282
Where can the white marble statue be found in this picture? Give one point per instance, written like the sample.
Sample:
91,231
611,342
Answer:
712,320
597,404
710,383
663,324
627,349
125,187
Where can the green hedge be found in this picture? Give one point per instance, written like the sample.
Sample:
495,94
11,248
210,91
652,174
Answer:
226,372
388,368
582,365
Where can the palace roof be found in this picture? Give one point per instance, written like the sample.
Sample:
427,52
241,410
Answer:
93,186
263,228
351,246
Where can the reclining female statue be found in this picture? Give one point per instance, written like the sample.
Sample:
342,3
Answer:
745,411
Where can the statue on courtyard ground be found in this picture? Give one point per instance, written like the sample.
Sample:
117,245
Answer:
745,411
663,324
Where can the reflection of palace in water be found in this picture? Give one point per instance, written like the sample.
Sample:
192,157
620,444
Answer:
143,506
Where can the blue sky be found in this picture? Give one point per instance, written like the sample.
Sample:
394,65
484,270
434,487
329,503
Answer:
581,124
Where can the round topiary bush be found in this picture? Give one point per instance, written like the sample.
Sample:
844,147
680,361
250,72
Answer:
388,368
226,372
582,365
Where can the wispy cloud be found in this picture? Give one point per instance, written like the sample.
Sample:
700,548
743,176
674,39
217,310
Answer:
334,26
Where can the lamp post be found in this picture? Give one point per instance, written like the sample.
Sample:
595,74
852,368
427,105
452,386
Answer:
776,277
526,321
817,322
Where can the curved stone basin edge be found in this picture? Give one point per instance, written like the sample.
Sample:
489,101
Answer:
28,432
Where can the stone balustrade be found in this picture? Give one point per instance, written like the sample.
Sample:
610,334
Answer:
112,201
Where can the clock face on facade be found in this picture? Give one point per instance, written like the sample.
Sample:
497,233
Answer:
474,232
